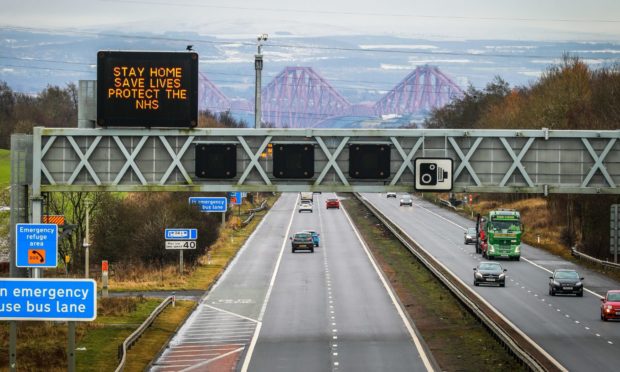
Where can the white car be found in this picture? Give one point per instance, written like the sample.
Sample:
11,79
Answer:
406,200
305,207
391,195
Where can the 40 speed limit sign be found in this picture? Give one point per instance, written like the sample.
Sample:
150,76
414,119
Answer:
181,244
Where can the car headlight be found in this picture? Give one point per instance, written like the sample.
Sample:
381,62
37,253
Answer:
556,284
478,275
518,249
578,284
608,307
502,276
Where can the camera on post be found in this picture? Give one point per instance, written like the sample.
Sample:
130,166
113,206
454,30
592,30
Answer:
433,174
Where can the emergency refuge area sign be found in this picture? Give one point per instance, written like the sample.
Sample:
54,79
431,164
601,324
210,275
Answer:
36,245
48,299
147,89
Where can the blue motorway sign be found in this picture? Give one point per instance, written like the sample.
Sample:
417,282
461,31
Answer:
210,204
36,245
181,234
48,299
235,197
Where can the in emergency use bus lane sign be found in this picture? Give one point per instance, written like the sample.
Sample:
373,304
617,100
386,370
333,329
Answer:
48,299
36,245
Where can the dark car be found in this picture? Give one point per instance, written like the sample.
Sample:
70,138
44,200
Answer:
565,281
491,273
391,195
470,235
610,306
332,203
302,240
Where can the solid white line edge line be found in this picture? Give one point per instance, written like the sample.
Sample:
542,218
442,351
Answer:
402,315
540,349
248,356
524,259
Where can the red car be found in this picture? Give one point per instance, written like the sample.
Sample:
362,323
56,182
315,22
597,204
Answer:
610,308
332,203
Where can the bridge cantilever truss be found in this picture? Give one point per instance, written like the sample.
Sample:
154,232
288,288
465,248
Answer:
422,90
299,97
529,161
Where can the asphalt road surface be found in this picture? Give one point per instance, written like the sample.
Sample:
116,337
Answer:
567,327
274,310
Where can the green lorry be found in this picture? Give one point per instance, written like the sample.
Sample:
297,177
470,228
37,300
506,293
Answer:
499,234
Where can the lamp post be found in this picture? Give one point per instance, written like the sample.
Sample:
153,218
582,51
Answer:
258,66
86,243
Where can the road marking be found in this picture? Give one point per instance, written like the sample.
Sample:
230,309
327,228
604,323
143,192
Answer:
231,313
212,360
538,347
402,315
248,357
524,259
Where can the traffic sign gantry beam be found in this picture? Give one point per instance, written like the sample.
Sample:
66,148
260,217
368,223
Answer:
528,161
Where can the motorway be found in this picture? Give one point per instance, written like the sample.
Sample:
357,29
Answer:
567,327
274,310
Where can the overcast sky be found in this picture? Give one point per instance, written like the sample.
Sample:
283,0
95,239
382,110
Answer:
440,19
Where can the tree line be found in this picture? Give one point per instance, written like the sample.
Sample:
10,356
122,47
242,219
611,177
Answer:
569,95
124,227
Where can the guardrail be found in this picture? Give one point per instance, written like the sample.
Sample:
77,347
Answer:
135,336
515,340
253,212
575,253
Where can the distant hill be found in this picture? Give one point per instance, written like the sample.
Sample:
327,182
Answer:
361,69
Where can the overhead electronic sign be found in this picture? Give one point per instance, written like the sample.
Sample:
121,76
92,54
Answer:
147,89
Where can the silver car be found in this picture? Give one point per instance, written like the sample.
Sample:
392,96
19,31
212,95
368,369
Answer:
406,200
305,207
470,235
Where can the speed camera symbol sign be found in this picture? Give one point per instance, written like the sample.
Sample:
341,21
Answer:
433,174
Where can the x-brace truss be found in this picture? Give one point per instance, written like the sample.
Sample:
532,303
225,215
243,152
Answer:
598,162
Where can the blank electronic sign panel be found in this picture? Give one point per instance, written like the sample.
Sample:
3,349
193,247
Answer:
147,89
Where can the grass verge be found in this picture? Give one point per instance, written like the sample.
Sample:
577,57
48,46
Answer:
206,270
541,230
441,319
42,345
5,168
158,335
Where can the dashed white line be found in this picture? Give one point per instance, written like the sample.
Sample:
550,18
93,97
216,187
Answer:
421,351
246,361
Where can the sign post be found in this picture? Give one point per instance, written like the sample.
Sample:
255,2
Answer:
236,199
211,204
104,278
36,245
181,239
614,231
48,299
